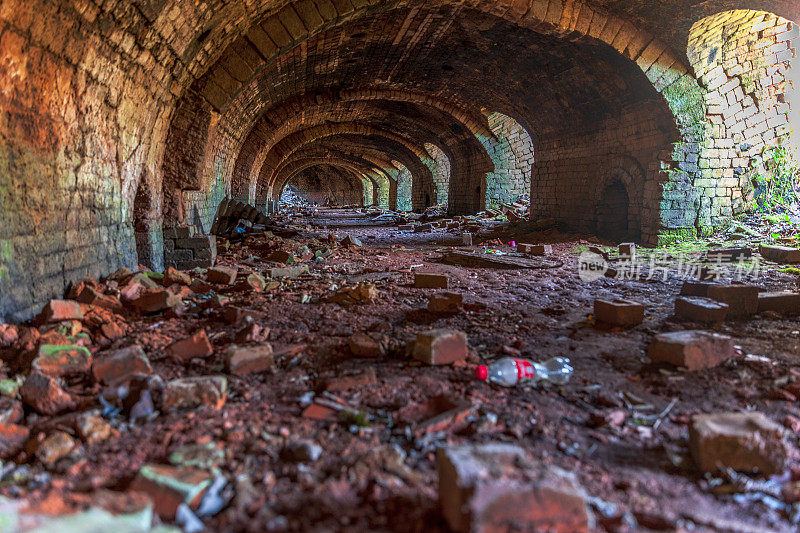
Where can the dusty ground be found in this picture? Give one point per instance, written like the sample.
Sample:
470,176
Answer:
377,470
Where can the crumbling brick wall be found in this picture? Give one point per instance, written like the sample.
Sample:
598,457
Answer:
512,155
744,60
440,167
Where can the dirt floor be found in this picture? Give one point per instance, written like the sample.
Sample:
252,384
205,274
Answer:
620,424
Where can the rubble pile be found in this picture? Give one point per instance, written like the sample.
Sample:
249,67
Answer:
325,380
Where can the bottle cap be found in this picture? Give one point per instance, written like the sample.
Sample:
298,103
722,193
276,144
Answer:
482,372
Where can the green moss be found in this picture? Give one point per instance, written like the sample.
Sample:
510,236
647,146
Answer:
678,235
790,270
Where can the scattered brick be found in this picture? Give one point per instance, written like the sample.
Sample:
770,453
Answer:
784,302
728,255
535,249
55,447
121,365
746,442
780,254
368,344
351,241
169,487
441,347
618,312
62,360
696,288
60,310
189,348
246,360
699,309
10,410
222,275
12,439
281,256
174,276
90,296
429,280
188,393
742,300
694,350
446,303
155,301
627,250
45,395
256,282
487,487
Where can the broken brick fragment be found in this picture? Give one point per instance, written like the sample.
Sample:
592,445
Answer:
256,282
429,280
694,350
246,360
746,442
189,348
619,312
169,487
91,296
45,395
119,366
55,447
367,344
189,393
487,487
174,276
155,301
699,309
12,439
281,256
221,275
535,249
10,410
441,347
59,310
62,360
446,303
780,254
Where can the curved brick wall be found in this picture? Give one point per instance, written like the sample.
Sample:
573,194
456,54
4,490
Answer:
135,116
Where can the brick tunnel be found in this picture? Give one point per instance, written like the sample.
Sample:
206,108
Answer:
128,128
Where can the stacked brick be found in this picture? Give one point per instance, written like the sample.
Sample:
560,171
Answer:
440,168
184,249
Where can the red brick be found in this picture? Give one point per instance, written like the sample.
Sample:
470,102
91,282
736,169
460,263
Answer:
742,300
694,350
45,395
699,309
780,254
64,360
445,303
169,487
488,487
246,360
744,442
535,249
221,275
189,393
783,302
696,288
155,300
12,439
441,347
618,312
429,280
119,366
174,276
186,349
367,344
90,296
58,310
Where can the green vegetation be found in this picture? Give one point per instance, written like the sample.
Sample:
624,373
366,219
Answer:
776,183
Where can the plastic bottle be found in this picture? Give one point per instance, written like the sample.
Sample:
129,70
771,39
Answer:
509,371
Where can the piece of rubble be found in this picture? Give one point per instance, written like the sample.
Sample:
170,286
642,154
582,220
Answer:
358,294
368,344
45,395
246,360
746,442
91,296
429,280
535,249
62,360
221,275
188,393
12,439
302,451
9,334
93,428
118,366
488,487
155,301
441,347
169,487
619,312
281,256
786,303
10,410
699,309
351,241
256,282
60,310
627,250
694,349
174,276
780,254
446,303
728,255
742,299
189,348
696,288
55,447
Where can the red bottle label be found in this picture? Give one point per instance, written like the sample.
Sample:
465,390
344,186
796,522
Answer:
524,369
